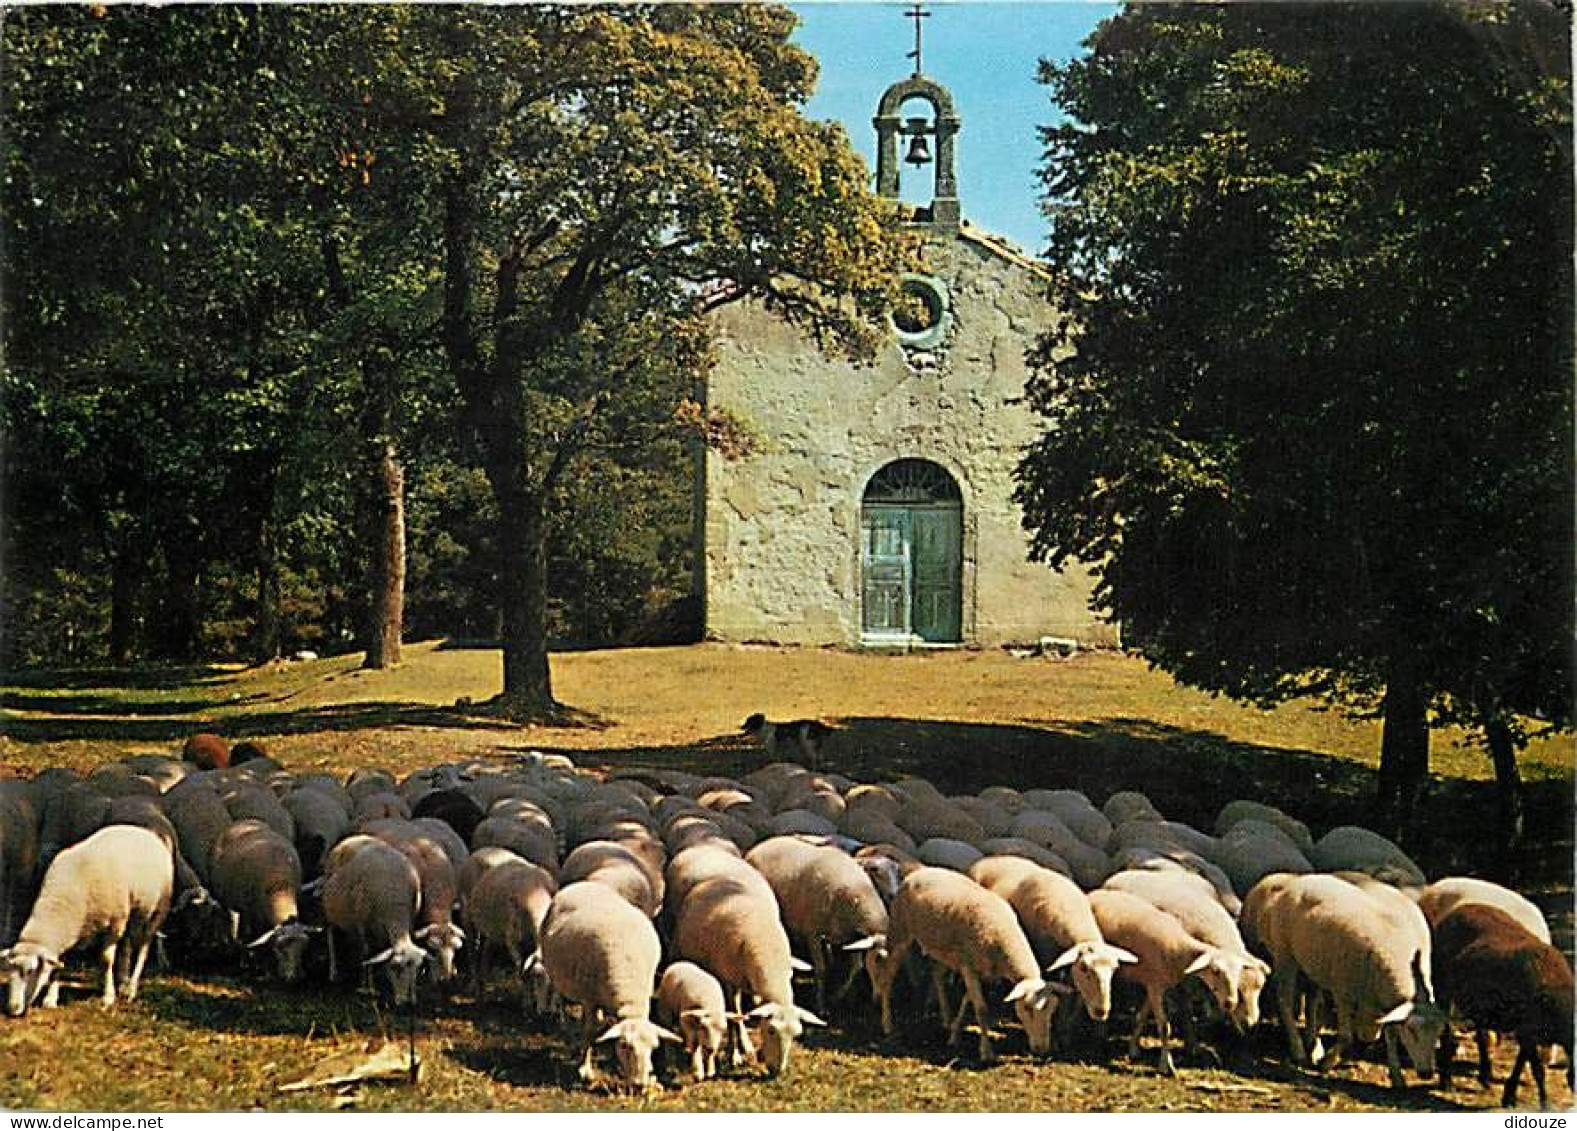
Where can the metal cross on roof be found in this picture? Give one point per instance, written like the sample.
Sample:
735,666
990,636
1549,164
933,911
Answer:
916,13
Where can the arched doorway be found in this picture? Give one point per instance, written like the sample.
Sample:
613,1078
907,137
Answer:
911,554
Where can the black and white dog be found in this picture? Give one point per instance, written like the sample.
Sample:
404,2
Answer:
802,737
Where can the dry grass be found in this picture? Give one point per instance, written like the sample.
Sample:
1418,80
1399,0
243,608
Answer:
1100,722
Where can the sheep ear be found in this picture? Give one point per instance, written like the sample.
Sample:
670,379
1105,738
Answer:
665,1035
610,1034
532,962
263,939
1025,988
1124,955
1199,963
1400,1013
869,942
809,1018
380,959
1066,958
799,964
759,1011
425,933
459,931
52,963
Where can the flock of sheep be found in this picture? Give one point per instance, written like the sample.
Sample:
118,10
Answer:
1033,899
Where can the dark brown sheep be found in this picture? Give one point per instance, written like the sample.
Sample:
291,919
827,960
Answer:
207,751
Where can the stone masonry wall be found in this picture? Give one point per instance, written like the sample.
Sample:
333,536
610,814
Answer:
782,528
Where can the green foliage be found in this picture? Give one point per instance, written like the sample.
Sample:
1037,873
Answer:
1309,410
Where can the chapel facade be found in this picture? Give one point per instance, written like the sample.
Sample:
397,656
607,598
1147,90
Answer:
879,511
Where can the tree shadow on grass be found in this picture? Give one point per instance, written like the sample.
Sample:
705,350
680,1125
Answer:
265,1008
152,677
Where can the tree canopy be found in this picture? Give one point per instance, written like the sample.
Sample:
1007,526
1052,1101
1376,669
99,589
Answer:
1309,409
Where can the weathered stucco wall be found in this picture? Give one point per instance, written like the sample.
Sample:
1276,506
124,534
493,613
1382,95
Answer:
782,528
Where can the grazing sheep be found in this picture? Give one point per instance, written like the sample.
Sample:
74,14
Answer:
1159,860
1166,955
965,928
454,808
1235,811
1354,849
477,865
379,805
1503,979
867,825
1129,805
1088,823
530,840
926,819
330,786
18,853
257,878
731,928
602,954
705,861
886,865
691,1001
605,862
1444,896
1252,849
435,926
1343,940
1090,865
320,824
371,893
111,891
1192,902
1059,924
941,852
993,821
144,812
246,800
1028,850
1147,832
799,821
200,819
505,908
827,900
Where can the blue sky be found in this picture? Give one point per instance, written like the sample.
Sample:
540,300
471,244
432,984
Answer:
986,54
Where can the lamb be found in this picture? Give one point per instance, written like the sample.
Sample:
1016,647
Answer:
112,891
1192,902
690,1000
506,907
257,878
1235,811
371,893
602,953
731,928
886,865
1166,955
1355,849
1059,924
1504,979
1341,938
1444,896
826,899
968,929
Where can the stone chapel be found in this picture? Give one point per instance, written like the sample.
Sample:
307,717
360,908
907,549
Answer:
879,512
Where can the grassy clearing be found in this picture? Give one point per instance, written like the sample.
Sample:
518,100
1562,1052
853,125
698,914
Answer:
1099,722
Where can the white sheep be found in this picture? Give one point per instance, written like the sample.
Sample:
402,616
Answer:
506,907
963,927
257,878
1192,902
371,893
1028,849
1176,860
1444,896
1167,954
436,929
731,928
826,899
1355,849
601,953
605,862
1339,937
1057,920
691,1001
705,861
1090,865
111,891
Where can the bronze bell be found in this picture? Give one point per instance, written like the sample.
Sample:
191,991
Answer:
919,153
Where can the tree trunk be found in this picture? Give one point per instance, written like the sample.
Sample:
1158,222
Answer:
386,566
267,628
180,619
528,686
1508,795
1404,750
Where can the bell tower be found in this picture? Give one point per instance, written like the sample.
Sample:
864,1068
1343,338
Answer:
939,131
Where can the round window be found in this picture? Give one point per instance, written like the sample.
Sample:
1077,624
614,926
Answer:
923,314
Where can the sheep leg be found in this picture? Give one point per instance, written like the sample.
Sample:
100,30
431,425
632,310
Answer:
108,957
977,997
955,1027
1481,1037
939,988
1157,1002
818,961
886,975
588,1032
144,944
1344,1035
333,956
1313,1022
1393,1060
1140,1016
1536,1063
1287,1004
740,1048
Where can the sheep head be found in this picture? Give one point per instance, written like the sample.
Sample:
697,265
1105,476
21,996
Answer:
635,1039
1218,970
443,941
289,942
1094,964
1035,1002
781,1025
27,969
403,961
